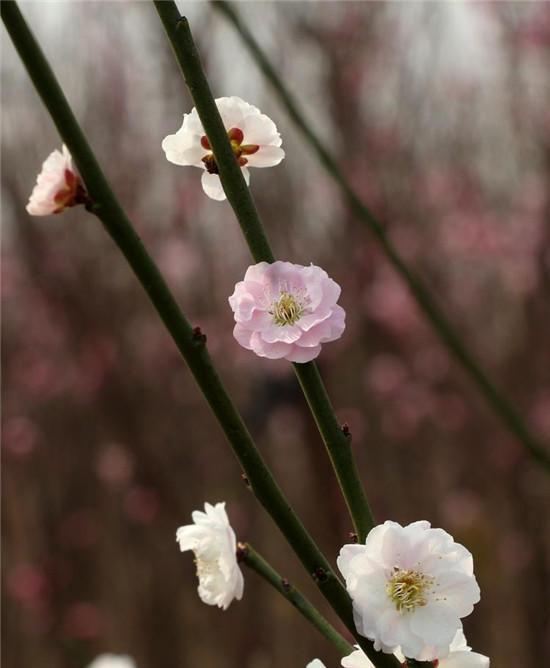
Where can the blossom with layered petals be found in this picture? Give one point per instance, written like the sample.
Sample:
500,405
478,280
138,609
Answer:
213,541
460,656
410,587
58,186
112,661
286,310
254,139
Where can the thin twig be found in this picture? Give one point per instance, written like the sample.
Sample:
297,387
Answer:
338,445
256,562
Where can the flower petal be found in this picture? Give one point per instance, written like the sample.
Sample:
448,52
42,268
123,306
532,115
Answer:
212,186
302,355
266,156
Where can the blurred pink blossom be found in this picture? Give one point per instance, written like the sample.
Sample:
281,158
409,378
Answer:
141,504
83,620
115,465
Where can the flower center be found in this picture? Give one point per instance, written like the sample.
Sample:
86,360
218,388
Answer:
205,567
235,136
408,589
286,310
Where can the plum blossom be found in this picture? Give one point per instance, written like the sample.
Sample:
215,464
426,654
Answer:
460,656
286,310
213,541
254,139
112,661
410,587
58,186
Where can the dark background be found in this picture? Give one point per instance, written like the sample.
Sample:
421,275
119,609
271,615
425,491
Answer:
439,115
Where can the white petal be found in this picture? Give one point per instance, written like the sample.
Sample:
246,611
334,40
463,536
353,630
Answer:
465,659
184,150
212,186
261,130
357,659
266,156
435,623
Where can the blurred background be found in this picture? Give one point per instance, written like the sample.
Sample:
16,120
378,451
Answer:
439,114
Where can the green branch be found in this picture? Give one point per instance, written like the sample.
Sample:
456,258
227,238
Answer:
190,342
433,313
254,561
337,443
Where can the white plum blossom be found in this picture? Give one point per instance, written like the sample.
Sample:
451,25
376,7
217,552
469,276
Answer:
286,310
213,541
410,587
460,656
112,661
254,139
58,186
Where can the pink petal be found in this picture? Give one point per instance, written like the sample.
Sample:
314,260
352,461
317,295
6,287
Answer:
302,355
269,350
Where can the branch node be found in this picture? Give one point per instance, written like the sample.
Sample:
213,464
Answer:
285,584
320,574
198,336
242,551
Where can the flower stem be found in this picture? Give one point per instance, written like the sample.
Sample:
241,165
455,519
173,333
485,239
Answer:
502,407
190,342
240,198
257,563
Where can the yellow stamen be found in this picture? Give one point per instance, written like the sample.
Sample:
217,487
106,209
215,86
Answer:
408,589
286,311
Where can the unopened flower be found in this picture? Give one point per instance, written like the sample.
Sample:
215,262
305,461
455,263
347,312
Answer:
253,136
410,587
112,661
286,310
58,186
213,541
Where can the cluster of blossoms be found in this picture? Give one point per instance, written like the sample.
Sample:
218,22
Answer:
281,310
410,586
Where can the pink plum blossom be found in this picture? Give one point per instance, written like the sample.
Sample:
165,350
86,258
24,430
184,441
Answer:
254,139
58,186
286,310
